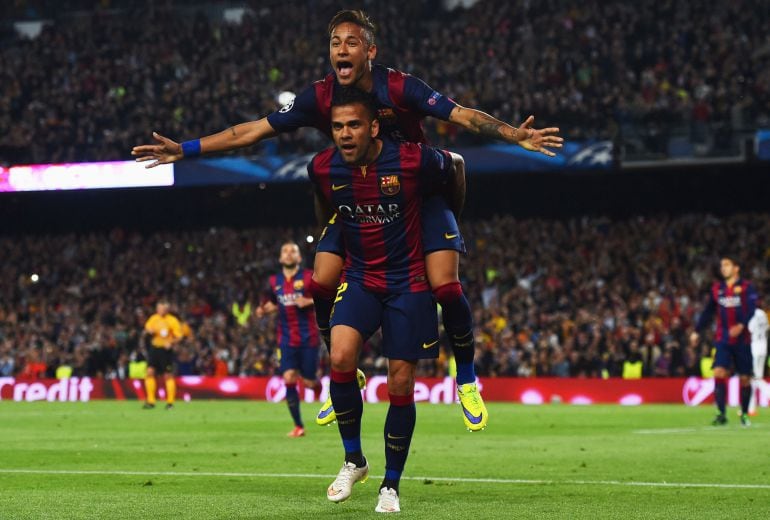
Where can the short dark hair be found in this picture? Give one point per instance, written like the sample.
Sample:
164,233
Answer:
344,95
732,258
358,17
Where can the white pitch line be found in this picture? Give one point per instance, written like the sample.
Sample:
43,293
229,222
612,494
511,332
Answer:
687,430
436,479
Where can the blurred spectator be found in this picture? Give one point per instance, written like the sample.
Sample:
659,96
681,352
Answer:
91,85
581,297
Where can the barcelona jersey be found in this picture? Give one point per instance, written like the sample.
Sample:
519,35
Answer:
403,101
732,304
379,208
295,327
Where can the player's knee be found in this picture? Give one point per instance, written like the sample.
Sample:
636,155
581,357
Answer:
290,377
341,361
327,270
322,290
442,267
448,292
401,381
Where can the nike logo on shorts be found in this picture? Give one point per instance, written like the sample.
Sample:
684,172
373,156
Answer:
450,236
429,345
338,188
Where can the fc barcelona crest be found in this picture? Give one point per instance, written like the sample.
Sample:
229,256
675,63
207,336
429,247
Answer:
389,184
299,285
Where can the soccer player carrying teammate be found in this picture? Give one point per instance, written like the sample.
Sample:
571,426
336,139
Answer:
376,188
296,331
758,325
402,102
733,300
166,331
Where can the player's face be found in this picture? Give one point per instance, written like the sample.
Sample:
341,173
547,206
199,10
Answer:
353,131
728,268
290,256
161,309
350,53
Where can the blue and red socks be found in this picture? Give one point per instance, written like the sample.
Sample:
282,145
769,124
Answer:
745,398
399,428
292,400
458,324
349,407
323,301
720,394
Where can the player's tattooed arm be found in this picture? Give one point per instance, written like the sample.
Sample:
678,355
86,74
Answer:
529,138
166,151
456,185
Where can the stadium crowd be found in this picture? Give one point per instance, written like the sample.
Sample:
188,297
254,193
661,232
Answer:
92,85
564,298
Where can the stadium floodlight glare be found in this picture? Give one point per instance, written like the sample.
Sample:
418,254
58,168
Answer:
81,176
34,278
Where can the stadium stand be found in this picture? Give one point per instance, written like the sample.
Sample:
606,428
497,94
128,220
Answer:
573,297
662,77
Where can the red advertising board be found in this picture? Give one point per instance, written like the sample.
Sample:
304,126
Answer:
533,391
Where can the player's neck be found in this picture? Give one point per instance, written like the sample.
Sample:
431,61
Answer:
366,82
371,155
731,281
289,272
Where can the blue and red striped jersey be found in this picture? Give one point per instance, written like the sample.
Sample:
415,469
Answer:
732,304
295,327
379,208
403,101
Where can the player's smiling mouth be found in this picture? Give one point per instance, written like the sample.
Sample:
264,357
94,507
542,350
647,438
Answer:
344,69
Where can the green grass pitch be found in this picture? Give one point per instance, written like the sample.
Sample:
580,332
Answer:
232,459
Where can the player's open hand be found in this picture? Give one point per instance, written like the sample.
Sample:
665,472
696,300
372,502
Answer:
165,152
536,140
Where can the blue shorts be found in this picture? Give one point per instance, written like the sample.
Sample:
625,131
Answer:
439,230
303,359
734,356
409,321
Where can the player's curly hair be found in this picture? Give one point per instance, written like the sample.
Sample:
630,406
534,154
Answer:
344,95
358,17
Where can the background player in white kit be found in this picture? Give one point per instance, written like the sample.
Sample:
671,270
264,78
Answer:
758,325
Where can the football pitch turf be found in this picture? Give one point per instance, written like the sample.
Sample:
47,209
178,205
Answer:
232,459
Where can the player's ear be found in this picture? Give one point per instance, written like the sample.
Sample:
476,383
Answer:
371,52
375,128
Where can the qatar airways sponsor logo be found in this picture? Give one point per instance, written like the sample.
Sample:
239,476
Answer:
730,301
72,389
445,391
371,213
287,300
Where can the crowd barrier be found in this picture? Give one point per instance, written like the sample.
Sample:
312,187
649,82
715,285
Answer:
532,391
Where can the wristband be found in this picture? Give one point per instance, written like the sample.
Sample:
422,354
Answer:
191,148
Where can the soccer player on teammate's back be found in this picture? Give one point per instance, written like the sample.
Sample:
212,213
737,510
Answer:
166,331
376,187
733,300
296,331
402,102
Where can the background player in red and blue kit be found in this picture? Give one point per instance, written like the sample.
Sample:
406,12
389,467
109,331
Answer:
376,188
733,300
402,102
296,331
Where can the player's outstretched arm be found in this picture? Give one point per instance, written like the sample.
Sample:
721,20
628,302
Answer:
535,140
166,151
